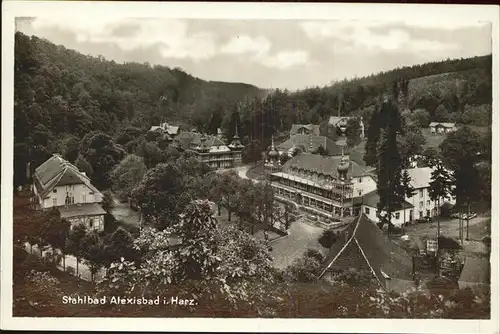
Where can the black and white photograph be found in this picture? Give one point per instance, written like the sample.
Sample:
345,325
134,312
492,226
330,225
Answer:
265,162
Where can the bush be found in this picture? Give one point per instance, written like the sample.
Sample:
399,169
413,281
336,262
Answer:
448,243
328,238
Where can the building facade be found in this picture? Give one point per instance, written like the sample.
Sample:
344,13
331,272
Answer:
401,216
165,128
304,129
212,150
322,185
442,127
59,184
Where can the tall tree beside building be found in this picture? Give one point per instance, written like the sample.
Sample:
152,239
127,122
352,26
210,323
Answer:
390,186
353,132
439,187
461,151
372,138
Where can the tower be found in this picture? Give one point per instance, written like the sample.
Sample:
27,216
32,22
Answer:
344,185
236,147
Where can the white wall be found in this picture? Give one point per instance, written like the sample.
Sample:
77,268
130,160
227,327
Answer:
80,192
427,203
404,215
366,185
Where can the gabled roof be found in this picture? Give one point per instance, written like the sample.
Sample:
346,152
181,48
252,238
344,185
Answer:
188,139
421,177
322,164
341,120
476,270
56,172
364,246
372,198
443,124
84,209
313,128
305,141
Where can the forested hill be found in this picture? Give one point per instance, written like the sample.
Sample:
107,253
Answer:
69,92
61,95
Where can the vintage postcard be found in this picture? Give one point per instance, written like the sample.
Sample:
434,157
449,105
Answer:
250,167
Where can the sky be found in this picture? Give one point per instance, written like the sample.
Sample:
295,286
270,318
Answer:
289,53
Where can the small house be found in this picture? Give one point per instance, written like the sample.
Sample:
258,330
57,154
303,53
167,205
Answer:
304,129
442,127
400,217
363,246
59,184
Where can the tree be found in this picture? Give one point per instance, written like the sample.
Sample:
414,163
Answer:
161,196
83,166
127,175
328,238
103,154
306,268
74,243
441,114
108,202
93,252
461,150
421,118
372,138
209,261
150,152
439,187
353,132
390,187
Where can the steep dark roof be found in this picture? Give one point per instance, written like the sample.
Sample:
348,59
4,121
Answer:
189,138
476,270
323,164
305,141
368,247
314,129
372,199
55,172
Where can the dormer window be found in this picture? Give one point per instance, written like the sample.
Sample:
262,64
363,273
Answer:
54,191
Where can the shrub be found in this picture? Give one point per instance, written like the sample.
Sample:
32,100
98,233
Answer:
448,243
328,238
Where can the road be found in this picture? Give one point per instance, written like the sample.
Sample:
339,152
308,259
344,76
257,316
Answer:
302,237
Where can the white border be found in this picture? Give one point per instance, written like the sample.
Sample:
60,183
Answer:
386,12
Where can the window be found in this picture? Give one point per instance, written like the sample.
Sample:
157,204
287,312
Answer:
360,180
428,213
91,223
428,203
84,198
397,215
421,205
360,192
421,191
367,211
54,191
421,214
54,201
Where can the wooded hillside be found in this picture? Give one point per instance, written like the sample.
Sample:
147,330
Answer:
61,95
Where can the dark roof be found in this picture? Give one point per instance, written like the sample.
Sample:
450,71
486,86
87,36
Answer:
476,270
372,198
323,164
84,209
314,129
188,139
368,248
305,141
55,172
